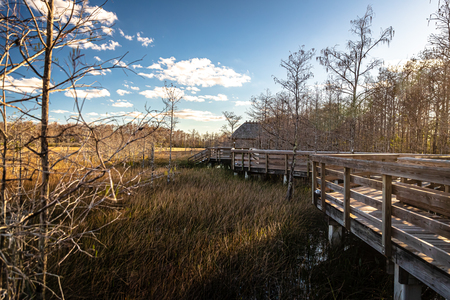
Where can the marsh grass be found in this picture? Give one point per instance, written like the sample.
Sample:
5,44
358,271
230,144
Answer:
210,235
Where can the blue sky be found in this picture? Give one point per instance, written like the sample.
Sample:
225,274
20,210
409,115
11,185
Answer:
220,53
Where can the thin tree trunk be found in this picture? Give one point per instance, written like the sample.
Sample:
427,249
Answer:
44,149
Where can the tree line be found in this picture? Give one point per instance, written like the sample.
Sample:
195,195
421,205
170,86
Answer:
363,105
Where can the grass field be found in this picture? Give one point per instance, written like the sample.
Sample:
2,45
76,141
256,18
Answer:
210,235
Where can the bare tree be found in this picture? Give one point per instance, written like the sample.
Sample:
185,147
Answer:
353,67
37,218
232,120
173,96
298,69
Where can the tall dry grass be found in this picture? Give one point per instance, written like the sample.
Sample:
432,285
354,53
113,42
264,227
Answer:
207,236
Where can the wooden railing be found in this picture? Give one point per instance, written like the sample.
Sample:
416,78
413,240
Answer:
403,197
211,153
269,161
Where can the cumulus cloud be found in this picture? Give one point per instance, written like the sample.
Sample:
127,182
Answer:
193,88
144,40
102,47
97,58
122,103
137,66
99,72
242,103
122,92
87,94
135,88
155,66
146,75
59,111
193,98
119,63
197,115
92,114
107,30
197,72
65,9
158,92
23,85
128,37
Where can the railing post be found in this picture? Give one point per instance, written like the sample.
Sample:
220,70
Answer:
249,161
243,162
387,214
314,182
322,187
285,164
267,162
347,198
232,161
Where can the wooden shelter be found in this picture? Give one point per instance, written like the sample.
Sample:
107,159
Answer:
247,135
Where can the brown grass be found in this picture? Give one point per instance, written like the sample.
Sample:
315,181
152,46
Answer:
207,236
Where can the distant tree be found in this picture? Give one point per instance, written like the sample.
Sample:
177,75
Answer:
172,97
232,120
298,71
352,67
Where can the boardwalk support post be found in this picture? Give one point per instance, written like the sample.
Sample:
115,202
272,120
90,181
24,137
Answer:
406,286
334,232
387,215
314,183
347,198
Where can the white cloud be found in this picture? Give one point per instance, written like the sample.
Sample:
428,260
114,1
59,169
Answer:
97,58
122,103
122,92
137,66
92,114
242,103
89,45
59,111
197,115
146,75
23,85
157,92
87,94
193,88
144,40
155,67
119,63
219,97
67,8
135,88
99,72
193,98
199,72
128,37
107,30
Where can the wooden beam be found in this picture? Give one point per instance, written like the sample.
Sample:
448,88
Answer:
267,162
314,182
232,161
347,198
386,215
417,172
322,187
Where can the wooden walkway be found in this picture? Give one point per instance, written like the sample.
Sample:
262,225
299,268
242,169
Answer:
399,204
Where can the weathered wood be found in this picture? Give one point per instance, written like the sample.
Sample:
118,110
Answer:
314,182
232,160
424,198
418,172
347,198
322,187
267,162
428,273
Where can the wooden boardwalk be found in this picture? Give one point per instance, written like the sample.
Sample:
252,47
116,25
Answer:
399,204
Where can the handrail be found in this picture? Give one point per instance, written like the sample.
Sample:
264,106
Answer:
386,173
